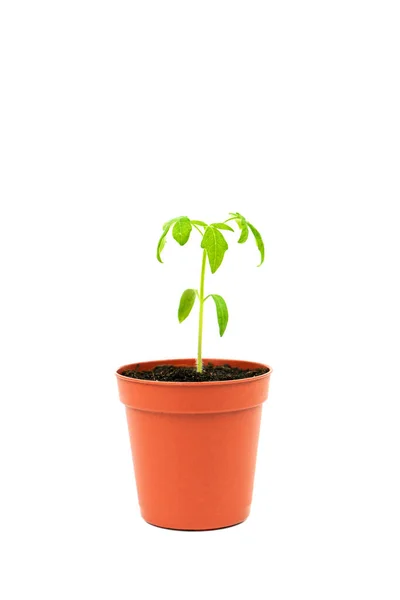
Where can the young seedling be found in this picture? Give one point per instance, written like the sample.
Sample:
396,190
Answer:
214,247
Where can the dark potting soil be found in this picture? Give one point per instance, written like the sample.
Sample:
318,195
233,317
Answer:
179,373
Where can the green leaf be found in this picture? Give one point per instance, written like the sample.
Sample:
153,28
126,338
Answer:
181,230
259,242
169,223
222,313
201,223
245,231
222,226
161,245
215,245
186,304
162,240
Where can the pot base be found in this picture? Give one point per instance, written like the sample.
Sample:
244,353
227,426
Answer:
196,524
195,530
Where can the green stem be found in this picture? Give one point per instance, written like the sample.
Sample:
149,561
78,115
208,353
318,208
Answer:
201,299
199,230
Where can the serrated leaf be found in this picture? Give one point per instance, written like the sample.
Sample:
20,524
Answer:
201,223
186,304
215,245
222,226
244,231
162,240
181,230
222,313
259,241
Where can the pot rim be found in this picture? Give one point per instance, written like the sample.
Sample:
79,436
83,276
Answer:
191,362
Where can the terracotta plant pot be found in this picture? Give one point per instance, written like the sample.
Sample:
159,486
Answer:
194,445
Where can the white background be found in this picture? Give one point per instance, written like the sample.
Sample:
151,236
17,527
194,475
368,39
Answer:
115,117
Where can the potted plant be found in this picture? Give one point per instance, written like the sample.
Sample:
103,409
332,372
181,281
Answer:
194,424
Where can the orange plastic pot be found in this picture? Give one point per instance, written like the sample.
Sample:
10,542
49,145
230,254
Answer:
194,446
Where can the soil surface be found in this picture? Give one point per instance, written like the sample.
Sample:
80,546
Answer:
178,373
